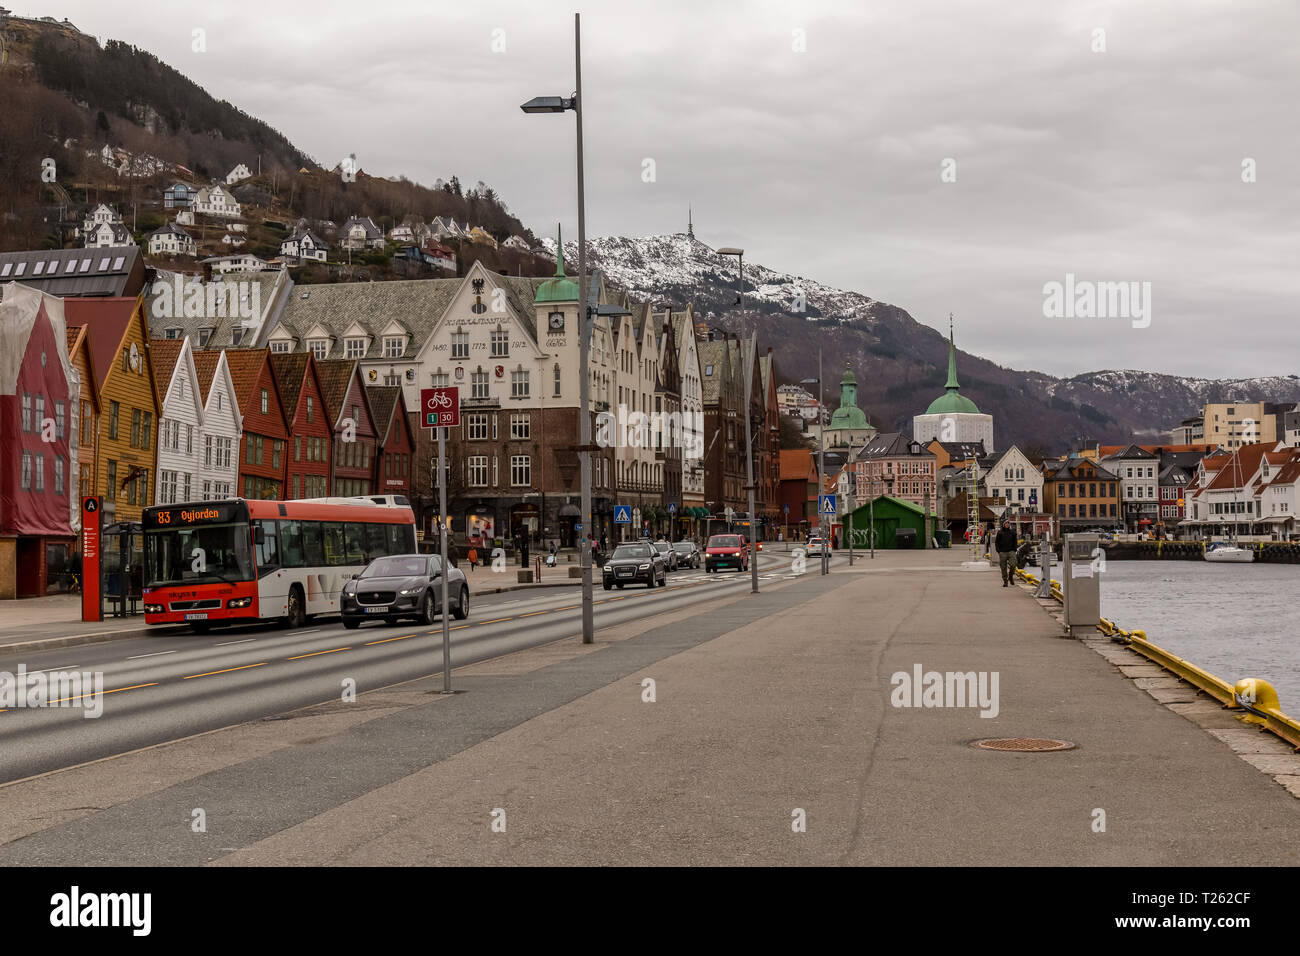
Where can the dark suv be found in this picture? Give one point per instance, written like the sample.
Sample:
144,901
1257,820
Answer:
403,585
635,564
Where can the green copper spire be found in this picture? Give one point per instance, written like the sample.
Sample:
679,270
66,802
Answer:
561,288
952,358
952,401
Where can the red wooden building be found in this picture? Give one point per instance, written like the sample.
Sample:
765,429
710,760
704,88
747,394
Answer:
307,470
38,411
262,448
352,471
395,461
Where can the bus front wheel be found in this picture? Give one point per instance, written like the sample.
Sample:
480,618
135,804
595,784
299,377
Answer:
297,615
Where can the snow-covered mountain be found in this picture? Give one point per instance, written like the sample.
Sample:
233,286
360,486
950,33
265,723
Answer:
901,364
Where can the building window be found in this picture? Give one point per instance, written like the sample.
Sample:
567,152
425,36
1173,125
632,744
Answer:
310,408
520,470
519,384
207,451
460,345
27,412
557,380
319,348
110,484
277,449
40,473
440,379
27,471
266,402
394,346
500,343
280,346
476,426
135,428
477,471
354,348
60,418
520,426
478,385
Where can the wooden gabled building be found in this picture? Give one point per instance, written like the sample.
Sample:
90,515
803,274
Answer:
262,446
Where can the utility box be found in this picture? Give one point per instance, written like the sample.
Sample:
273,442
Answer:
1081,564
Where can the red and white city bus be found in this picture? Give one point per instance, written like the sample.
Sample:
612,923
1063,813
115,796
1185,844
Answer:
243,560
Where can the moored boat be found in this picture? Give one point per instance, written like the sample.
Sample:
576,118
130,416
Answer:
1229,554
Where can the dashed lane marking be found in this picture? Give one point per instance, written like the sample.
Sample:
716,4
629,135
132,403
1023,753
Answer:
331,651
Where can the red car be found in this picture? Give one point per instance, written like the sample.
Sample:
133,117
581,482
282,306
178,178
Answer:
726,551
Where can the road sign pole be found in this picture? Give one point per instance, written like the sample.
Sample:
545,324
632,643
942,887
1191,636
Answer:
442,520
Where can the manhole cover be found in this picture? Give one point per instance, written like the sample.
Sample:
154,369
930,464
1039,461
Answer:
1023,744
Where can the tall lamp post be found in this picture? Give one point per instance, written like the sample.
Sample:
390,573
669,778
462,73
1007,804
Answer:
821,461
558,104
751,345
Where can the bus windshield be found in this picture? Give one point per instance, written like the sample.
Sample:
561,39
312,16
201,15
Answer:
196,554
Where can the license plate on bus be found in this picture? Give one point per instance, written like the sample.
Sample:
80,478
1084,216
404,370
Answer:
375,610
197,617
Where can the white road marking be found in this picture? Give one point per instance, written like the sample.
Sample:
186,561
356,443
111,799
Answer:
157,654
246,640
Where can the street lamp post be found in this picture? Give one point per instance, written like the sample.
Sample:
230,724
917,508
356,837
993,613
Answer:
752,345
821,463
559,104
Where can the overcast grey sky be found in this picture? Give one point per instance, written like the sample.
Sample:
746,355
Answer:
1119,165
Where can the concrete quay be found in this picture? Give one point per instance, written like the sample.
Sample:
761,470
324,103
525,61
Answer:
779,733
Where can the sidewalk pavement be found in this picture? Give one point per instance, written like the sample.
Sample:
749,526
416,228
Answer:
791,711
766,710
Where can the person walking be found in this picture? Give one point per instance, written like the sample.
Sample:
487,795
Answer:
473,557
1005,545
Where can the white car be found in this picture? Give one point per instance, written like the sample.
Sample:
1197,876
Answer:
816,545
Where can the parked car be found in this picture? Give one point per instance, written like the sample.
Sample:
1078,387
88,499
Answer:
726,551
667,553
688,554
816,545
403,585
637,563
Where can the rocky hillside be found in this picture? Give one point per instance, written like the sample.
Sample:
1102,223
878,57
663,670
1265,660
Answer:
901,364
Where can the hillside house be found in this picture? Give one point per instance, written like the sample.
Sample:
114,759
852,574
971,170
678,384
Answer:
216,201
304,245
359,234
171,240
179,196
238,174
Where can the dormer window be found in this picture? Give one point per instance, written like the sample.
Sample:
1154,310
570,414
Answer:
172,332
281,346
354,348
394,346
319,349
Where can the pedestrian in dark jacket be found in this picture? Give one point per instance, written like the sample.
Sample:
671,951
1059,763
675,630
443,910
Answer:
1005,545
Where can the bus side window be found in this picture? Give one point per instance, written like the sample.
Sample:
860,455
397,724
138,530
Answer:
313,546
335,549
396,543
291,544
267,546
376,542
355,535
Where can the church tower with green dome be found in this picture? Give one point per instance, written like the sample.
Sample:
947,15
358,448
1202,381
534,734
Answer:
952,417
849,425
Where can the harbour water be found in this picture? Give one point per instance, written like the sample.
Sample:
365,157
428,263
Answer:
1233,620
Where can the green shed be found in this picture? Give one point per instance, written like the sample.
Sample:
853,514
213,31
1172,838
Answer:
892,516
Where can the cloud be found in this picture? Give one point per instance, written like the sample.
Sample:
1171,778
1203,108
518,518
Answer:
1115,165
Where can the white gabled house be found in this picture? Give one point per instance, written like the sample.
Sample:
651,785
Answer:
1013,477
403,233
215,201
516,242
223,427
361,233
180,420
99,215
304,245
106,234
238,174
171,240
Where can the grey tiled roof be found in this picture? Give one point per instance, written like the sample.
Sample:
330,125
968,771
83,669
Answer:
112,280
715,354
417,304
163,313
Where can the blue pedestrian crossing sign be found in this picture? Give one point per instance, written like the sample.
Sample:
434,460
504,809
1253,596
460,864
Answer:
826,505
622,514
672,507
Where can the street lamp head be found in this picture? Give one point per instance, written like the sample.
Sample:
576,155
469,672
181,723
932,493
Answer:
730,251
549,104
